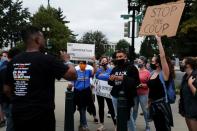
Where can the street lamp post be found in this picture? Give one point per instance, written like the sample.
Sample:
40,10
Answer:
46,29
48,3
134,6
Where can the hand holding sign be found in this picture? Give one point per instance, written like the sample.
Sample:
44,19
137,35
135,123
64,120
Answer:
158,38
162,19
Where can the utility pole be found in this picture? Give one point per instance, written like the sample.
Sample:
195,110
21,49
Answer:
48,3
134,6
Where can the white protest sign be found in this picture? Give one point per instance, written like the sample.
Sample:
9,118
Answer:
80,51
162,19
103,89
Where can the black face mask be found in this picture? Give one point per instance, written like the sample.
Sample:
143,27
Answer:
182,68
120,62
153,66
140,65
104,64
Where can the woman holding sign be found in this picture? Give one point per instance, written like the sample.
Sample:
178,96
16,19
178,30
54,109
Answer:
160,110
102,75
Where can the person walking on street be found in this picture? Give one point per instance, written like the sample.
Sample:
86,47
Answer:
124,77
103,74
160,110
30,82
188,93
142,91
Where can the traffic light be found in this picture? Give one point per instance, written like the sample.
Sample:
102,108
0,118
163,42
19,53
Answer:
127,29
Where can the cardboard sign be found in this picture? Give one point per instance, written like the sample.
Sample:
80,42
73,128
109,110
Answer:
103,89
81,51
162,19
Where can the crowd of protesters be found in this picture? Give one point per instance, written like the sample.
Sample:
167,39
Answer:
27,87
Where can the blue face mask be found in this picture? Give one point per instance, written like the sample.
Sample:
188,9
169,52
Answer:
4,59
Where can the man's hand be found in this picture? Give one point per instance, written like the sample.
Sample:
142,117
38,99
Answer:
71,74
70,86
93,59
7,90
1,114
119,78
112,77
64,56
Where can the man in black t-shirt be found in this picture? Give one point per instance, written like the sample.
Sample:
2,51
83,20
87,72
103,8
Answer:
30,83
124,77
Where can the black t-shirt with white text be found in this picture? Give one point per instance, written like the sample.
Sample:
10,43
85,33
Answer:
32,76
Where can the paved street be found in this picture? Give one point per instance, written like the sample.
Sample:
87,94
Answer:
60,100
60,86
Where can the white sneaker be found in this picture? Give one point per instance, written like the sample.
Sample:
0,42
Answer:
101,128
108,115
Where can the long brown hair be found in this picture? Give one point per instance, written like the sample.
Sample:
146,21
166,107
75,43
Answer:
170,65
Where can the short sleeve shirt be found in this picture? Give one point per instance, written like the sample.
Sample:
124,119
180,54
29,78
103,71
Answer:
32,76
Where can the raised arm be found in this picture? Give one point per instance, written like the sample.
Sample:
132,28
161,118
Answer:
71,73
164,64
94,66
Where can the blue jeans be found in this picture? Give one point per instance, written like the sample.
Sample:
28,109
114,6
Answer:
130,124
83,120
115,105
9,122
143,101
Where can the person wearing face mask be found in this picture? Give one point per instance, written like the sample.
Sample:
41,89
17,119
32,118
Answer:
103,74
160,110
82,92
124,77
142,91
188,94
4,60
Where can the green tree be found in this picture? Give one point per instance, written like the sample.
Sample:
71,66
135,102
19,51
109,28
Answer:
97,38
149,46
122,45
59,33
13,18
187,36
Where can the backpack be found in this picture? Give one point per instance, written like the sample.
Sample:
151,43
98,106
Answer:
170,92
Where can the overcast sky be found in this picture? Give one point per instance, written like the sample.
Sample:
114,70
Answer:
90,15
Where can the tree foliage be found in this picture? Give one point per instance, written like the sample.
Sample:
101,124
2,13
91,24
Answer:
149,46
97,38
59,33
13,18
122,45
187,35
